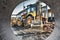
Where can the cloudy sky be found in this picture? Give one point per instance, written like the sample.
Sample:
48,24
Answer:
19,7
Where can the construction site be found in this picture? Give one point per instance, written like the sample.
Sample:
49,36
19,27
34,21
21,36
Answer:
33,20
